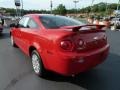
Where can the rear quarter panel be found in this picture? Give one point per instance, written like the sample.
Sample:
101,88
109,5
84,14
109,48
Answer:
47,40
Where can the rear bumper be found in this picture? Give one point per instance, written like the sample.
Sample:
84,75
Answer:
69,64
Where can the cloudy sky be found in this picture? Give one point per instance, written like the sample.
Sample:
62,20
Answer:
45,4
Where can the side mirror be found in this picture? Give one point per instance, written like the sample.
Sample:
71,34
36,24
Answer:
14,25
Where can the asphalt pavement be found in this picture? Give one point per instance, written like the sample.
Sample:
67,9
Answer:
16,71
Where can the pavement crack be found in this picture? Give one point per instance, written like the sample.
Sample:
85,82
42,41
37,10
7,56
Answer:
15,80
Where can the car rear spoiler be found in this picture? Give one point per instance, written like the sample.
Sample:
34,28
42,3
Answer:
77,28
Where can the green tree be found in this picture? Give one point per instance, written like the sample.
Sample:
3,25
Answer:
61,10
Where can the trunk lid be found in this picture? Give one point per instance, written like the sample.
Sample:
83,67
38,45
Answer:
92,41
92,36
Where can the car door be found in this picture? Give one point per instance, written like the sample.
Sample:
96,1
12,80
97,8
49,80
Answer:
17,33
28,34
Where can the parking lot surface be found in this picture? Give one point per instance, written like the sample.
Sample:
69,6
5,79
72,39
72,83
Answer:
16,71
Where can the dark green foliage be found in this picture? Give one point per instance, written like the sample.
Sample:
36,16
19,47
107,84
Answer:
61,10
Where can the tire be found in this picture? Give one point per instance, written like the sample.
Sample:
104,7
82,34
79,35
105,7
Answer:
37,64
12,41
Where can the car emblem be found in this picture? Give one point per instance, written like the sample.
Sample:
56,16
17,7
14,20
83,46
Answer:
95,38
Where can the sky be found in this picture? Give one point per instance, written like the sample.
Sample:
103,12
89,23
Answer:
45,4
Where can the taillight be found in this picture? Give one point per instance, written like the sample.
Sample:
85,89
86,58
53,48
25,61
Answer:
66,45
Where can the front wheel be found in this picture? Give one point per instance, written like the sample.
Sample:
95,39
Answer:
37,64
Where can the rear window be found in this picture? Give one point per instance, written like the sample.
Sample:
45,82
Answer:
52,22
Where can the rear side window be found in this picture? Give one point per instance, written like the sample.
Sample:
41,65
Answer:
32,24
23,22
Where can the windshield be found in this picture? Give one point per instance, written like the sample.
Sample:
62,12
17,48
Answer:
51,22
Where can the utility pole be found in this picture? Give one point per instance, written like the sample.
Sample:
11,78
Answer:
118,5
92,2
75,1
22,7
92,5
106,8
51,6
17,4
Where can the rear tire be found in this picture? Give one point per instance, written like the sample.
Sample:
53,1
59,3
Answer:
37,64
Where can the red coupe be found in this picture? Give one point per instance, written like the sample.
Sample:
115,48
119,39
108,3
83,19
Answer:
60,44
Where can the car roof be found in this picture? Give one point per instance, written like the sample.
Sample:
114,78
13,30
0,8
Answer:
34,15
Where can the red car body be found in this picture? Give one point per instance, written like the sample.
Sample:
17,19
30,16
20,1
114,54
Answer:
66,50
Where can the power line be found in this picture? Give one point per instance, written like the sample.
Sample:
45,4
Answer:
118,5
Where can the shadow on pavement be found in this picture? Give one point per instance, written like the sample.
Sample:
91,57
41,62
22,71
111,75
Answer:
4,35
104,77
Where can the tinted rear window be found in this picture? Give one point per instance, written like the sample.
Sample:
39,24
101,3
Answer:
51,22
